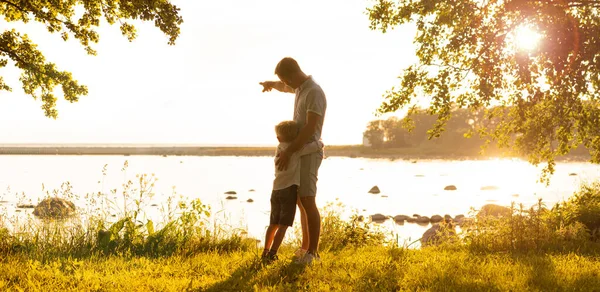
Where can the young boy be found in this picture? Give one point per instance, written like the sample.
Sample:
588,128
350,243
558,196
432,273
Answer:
285,189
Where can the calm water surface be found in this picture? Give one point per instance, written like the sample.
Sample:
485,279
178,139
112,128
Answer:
406,187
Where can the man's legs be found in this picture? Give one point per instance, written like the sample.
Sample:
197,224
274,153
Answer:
304,223
314,223
309,168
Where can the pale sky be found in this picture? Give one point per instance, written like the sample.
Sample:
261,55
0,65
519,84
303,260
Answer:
204,90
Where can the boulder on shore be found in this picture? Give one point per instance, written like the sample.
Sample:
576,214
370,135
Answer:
231,198
437,234
230,193
374,190
493,210
249,200
54,208
450,188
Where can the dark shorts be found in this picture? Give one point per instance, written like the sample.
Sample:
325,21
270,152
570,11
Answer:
283,206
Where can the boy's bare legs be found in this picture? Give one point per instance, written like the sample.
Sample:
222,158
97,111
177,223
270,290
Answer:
281,229
314,223
269,238
304,224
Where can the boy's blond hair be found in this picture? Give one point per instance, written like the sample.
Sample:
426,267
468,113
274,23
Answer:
287,131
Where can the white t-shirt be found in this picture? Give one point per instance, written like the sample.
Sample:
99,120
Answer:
310,98
291,176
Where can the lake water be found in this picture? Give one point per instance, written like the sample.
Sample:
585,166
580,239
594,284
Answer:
406,187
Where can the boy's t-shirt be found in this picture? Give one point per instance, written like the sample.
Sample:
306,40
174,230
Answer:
291,176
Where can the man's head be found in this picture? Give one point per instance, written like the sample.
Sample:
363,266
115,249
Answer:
287,131
290,73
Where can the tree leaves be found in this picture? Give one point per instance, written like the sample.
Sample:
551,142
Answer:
544,101
39,77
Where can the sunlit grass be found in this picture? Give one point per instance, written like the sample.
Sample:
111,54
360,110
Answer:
537,248
362,269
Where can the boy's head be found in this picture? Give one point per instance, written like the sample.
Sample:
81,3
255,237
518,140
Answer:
287,131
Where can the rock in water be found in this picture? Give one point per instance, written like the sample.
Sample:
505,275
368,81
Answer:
378,217
249,200
374,190
401,218
54,208
436,218
450,188
423,220
572,174
459,218
493,210
230,193
231,198
25,206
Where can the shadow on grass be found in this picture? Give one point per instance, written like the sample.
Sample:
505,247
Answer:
248,275
545,277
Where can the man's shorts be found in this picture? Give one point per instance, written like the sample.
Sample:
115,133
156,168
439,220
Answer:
283,206
309,171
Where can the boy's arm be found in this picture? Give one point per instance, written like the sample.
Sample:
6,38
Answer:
304,136
311,147
278,85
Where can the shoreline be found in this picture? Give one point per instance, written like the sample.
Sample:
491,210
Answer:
351,151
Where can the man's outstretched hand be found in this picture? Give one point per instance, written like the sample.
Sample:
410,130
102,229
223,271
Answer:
282,161
267,85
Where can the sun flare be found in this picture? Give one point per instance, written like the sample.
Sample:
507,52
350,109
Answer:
526,38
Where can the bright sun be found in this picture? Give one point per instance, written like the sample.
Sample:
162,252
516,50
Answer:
526,38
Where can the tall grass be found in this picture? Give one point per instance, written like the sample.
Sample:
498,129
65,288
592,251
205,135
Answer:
115,223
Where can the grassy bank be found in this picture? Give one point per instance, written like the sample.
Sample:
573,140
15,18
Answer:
517,249
361,269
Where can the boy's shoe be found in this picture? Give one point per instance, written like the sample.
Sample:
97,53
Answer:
269,258
308,259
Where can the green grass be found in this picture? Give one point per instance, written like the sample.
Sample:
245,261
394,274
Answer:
535,249
362,269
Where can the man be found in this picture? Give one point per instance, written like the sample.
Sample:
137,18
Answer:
309,112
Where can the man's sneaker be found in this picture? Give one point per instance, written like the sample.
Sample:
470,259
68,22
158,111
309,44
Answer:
299,253
308,259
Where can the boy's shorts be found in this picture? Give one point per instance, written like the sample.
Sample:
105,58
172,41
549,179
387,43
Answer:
283,206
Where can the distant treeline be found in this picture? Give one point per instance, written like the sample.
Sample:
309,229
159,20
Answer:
459,135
